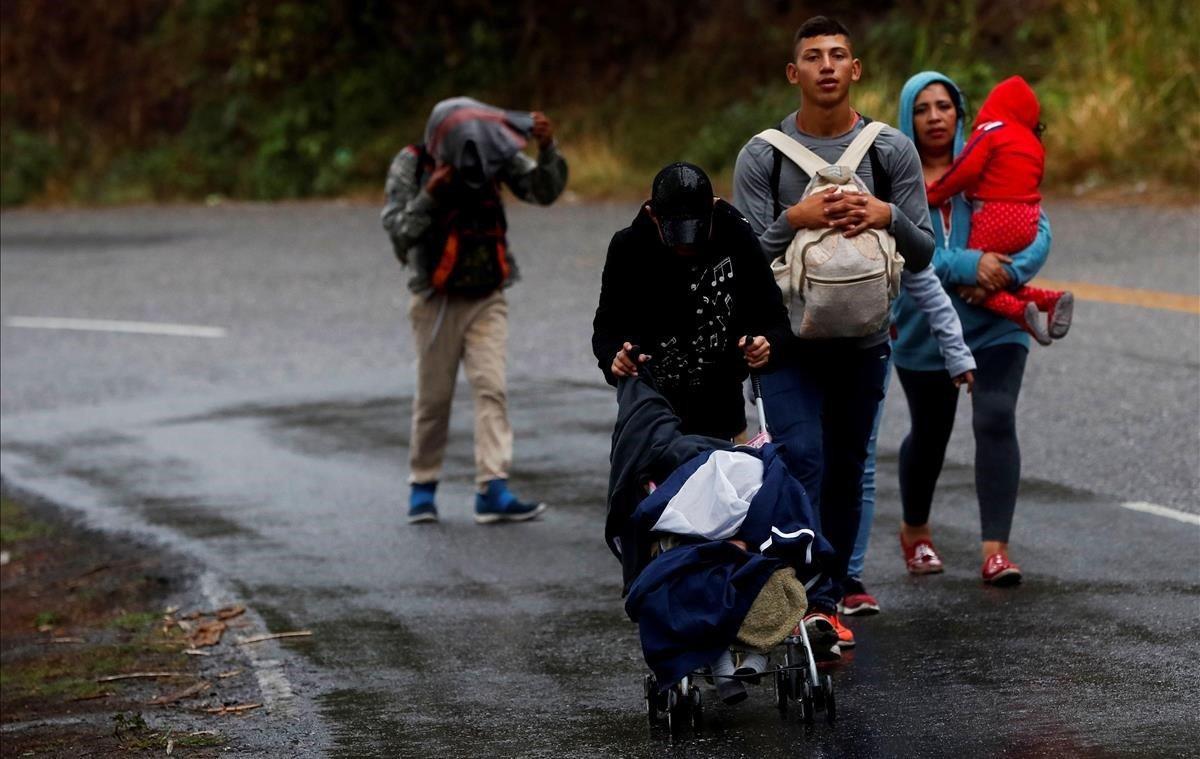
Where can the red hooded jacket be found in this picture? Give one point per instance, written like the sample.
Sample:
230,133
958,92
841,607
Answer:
1004,159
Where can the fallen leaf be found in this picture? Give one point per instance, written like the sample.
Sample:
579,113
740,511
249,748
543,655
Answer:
229,612
230,673
208,633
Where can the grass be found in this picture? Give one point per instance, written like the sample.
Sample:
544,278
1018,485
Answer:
16,526
137,621
135,734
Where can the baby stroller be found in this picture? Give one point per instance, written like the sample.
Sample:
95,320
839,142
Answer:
694,593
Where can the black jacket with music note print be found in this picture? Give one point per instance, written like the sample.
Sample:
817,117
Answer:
688,312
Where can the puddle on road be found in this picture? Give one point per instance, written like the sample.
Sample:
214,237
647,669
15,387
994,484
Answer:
94,459
195,517
374,425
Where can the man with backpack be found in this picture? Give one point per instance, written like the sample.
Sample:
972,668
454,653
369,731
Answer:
822,404
446,222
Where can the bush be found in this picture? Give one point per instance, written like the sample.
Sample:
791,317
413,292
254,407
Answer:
26,161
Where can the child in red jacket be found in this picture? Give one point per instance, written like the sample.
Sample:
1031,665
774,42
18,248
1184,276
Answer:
1000,169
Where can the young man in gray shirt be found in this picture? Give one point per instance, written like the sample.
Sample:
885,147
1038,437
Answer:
822,405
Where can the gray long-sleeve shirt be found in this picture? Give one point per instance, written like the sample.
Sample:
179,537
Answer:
898,156
409,209
925,288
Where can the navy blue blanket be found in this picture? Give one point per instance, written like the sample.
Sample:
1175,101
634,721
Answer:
690,601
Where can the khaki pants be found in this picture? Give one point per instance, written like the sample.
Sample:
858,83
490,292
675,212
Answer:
474,332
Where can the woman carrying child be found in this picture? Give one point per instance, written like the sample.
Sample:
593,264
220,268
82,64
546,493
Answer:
932,111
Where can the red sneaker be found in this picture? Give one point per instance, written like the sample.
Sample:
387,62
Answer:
921,558
857,602
1001,572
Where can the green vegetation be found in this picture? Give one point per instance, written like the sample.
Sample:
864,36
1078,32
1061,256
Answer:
48,619
136,734
137,621
16,526
135,100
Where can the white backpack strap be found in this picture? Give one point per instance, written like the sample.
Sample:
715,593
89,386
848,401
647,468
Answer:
862,143
807,160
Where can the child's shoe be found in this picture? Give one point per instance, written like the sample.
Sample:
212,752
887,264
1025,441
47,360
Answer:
729,689
421,506
1059,315
1033,324
752,665
498,504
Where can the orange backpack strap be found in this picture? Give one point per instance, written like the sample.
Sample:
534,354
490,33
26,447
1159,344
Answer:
445,267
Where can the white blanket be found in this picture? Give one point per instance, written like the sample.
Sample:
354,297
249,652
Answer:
712,504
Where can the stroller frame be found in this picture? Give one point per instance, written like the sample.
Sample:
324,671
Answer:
795,679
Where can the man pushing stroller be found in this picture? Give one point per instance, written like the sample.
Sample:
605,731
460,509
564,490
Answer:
686,282
720,553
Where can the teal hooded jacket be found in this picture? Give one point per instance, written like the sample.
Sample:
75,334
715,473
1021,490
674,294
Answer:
914,347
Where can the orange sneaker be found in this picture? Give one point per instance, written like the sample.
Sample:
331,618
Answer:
844,634
822,635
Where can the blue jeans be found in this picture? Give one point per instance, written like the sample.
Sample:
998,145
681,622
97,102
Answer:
822,408
868,493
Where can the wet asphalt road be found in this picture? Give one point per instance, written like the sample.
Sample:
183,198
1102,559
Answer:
277,456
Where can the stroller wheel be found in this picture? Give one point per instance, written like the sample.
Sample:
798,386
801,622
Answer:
794,658
816,692
650,687
808,705
781,692
830,702
677,709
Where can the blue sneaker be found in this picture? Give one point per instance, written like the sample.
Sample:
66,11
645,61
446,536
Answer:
421,506
498,504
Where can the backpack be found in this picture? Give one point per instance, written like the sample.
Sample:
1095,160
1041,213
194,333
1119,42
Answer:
466,251
834,286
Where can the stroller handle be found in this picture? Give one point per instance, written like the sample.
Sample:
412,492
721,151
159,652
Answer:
754,381
756,385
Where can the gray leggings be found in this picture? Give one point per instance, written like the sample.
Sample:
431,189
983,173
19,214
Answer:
932,402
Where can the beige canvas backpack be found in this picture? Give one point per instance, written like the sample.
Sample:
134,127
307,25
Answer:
835,286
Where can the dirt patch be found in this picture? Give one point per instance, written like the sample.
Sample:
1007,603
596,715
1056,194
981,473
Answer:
94,631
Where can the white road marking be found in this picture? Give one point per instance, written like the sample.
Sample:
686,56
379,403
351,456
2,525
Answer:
110,325
1162,511
273,683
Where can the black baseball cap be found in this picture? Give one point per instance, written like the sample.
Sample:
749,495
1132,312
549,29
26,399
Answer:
682,200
